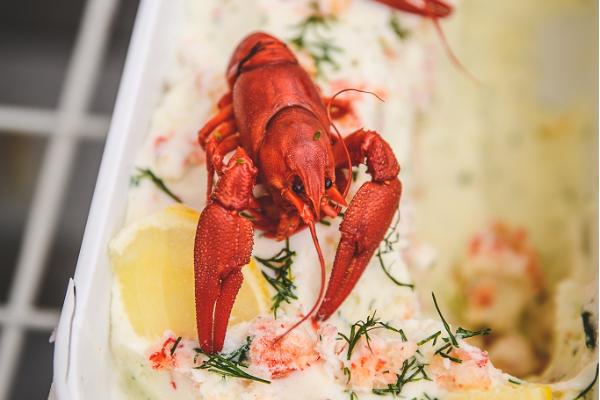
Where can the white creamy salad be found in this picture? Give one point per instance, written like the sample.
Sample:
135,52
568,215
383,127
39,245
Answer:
381,341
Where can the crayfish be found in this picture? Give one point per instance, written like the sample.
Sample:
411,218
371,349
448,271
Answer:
279,129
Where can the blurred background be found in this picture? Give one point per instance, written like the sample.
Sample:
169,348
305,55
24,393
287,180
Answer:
59,78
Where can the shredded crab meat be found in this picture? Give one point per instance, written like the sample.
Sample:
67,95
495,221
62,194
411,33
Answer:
473,372
501,276
295,351
374,364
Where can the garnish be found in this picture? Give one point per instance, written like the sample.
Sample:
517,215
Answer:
514,381
412,371
444,352
446,326
353,396
229,365
401,32
317,135
320,50
348,374
387,246
280,278
462,333
589,387
362,328
174,347
588,329
450,342
247,216
146,173
239,161
433,337
325,222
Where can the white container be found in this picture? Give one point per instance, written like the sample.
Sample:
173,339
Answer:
82,359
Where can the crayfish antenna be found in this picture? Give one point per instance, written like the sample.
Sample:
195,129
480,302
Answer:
339,135
451,55
319,299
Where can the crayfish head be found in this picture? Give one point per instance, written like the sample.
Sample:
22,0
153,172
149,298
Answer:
297,162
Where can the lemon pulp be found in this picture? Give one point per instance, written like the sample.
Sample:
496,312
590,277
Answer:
153,260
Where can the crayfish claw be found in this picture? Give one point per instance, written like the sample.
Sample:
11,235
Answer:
365,223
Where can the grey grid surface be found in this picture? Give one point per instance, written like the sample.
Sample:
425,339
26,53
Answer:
60,65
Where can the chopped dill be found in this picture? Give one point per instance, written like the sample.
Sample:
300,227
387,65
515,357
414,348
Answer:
398,331
388,242
146,173
514,381
174,347
228,365
433,337
451,358
446,326
462,333
321,50
348,374
401,32
362,328
450,341
585,391
280,276
412,371
353,395
325,222
317,135
248,216
588,329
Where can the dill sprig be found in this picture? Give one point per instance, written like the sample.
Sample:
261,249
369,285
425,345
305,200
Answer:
446,326
445,350
174,347
146,173
387,246
588,330
462,333
228,365
362,328
280,276
450,342
412,371
401,32
321,50
589,387
433,337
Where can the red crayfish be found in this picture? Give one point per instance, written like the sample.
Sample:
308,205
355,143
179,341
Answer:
279,129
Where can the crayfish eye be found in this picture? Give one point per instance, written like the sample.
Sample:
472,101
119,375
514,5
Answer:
328,183
298,187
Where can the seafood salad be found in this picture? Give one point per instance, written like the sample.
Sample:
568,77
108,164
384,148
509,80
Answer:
269,247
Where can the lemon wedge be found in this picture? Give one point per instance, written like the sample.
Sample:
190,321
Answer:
154,265
522,392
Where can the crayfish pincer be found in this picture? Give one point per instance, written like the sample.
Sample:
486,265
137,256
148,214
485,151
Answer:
277,124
